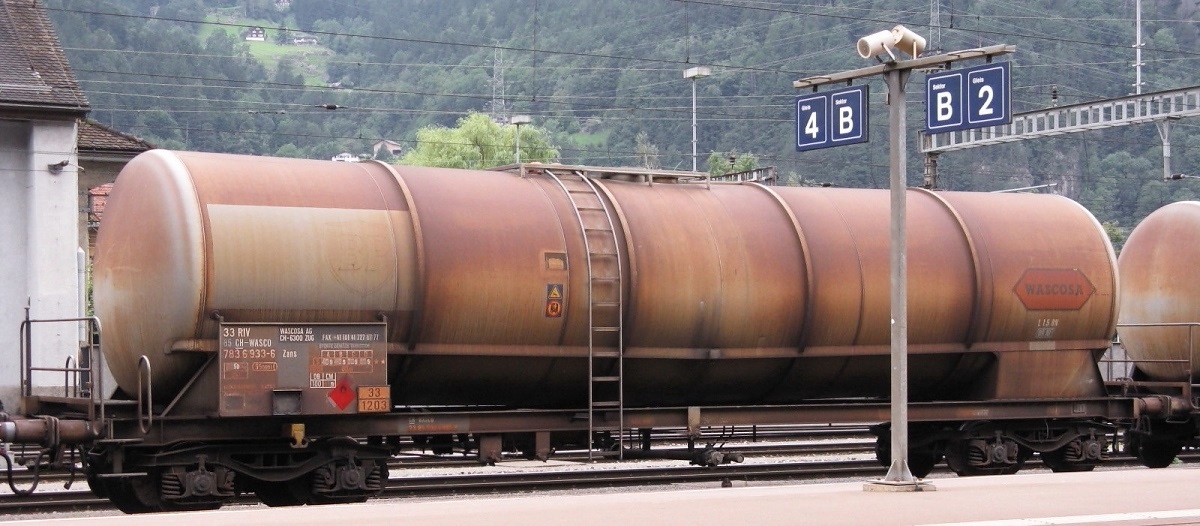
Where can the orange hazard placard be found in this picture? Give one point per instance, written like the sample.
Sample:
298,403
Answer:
554,308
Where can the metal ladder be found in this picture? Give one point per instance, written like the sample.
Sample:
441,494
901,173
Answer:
606,379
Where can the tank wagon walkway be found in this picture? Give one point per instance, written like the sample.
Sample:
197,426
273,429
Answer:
1125,497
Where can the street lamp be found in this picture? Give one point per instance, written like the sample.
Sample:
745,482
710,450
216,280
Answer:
518,120
695,73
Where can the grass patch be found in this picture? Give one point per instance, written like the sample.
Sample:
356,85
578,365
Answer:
587,140
310,60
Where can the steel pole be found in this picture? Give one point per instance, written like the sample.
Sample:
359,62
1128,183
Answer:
693,124
517,147
897,165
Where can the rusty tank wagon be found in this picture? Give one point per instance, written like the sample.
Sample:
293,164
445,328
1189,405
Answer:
279,326
1159,325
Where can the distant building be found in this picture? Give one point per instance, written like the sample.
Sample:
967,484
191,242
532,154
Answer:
345,157
256,34
103,151
304,40
283,5
392,148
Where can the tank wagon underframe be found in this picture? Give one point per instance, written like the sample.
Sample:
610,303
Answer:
170,430
266,449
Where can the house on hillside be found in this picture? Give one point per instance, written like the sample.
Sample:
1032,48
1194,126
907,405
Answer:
256,34
345,157
304,40
391,148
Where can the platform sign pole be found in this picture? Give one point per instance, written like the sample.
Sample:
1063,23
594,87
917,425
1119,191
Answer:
898,169
896,73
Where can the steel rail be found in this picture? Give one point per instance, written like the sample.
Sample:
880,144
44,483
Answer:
547,480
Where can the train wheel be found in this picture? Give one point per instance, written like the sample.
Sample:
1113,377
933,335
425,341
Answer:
96,485
921,460
295,492
132,496
1057,462
1158,453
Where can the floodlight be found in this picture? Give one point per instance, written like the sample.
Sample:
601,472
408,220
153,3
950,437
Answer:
883,42
908,42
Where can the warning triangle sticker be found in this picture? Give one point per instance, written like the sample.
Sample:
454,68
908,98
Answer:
554,291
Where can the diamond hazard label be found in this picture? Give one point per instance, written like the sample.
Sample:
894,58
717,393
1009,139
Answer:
342,394
1054,289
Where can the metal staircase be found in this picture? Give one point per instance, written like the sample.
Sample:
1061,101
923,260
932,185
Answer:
606,338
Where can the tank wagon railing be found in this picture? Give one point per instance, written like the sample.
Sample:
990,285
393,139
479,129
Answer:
764,175
646,175
1188,387
80,380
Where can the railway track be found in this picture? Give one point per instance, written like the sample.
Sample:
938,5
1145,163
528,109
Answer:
408,485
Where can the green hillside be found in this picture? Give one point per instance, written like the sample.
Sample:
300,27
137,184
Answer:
596,74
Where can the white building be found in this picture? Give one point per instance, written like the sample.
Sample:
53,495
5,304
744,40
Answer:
39,204
256,34
345,157
389,147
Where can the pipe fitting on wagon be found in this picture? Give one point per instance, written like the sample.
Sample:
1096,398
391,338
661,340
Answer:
8,432
46,432
1162,406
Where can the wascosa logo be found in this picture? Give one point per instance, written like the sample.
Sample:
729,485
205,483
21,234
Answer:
1054,289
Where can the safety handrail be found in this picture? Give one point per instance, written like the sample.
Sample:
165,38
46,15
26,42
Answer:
149,403
68,368
94,369
1187,387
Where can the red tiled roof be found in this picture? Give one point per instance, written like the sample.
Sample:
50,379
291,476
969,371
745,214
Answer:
96,137
33,70
98,197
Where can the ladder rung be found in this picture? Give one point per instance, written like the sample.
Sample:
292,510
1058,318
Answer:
604,278
598,208
606,354
606,329
603,254
613,403
605,229
606,378
606,453
606,304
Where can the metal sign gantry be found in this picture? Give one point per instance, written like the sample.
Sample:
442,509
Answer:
1161,108
896,73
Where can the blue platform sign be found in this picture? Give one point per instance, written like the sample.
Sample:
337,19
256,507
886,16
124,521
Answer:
968,98
832,118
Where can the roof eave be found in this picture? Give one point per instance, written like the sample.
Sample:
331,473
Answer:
35,111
